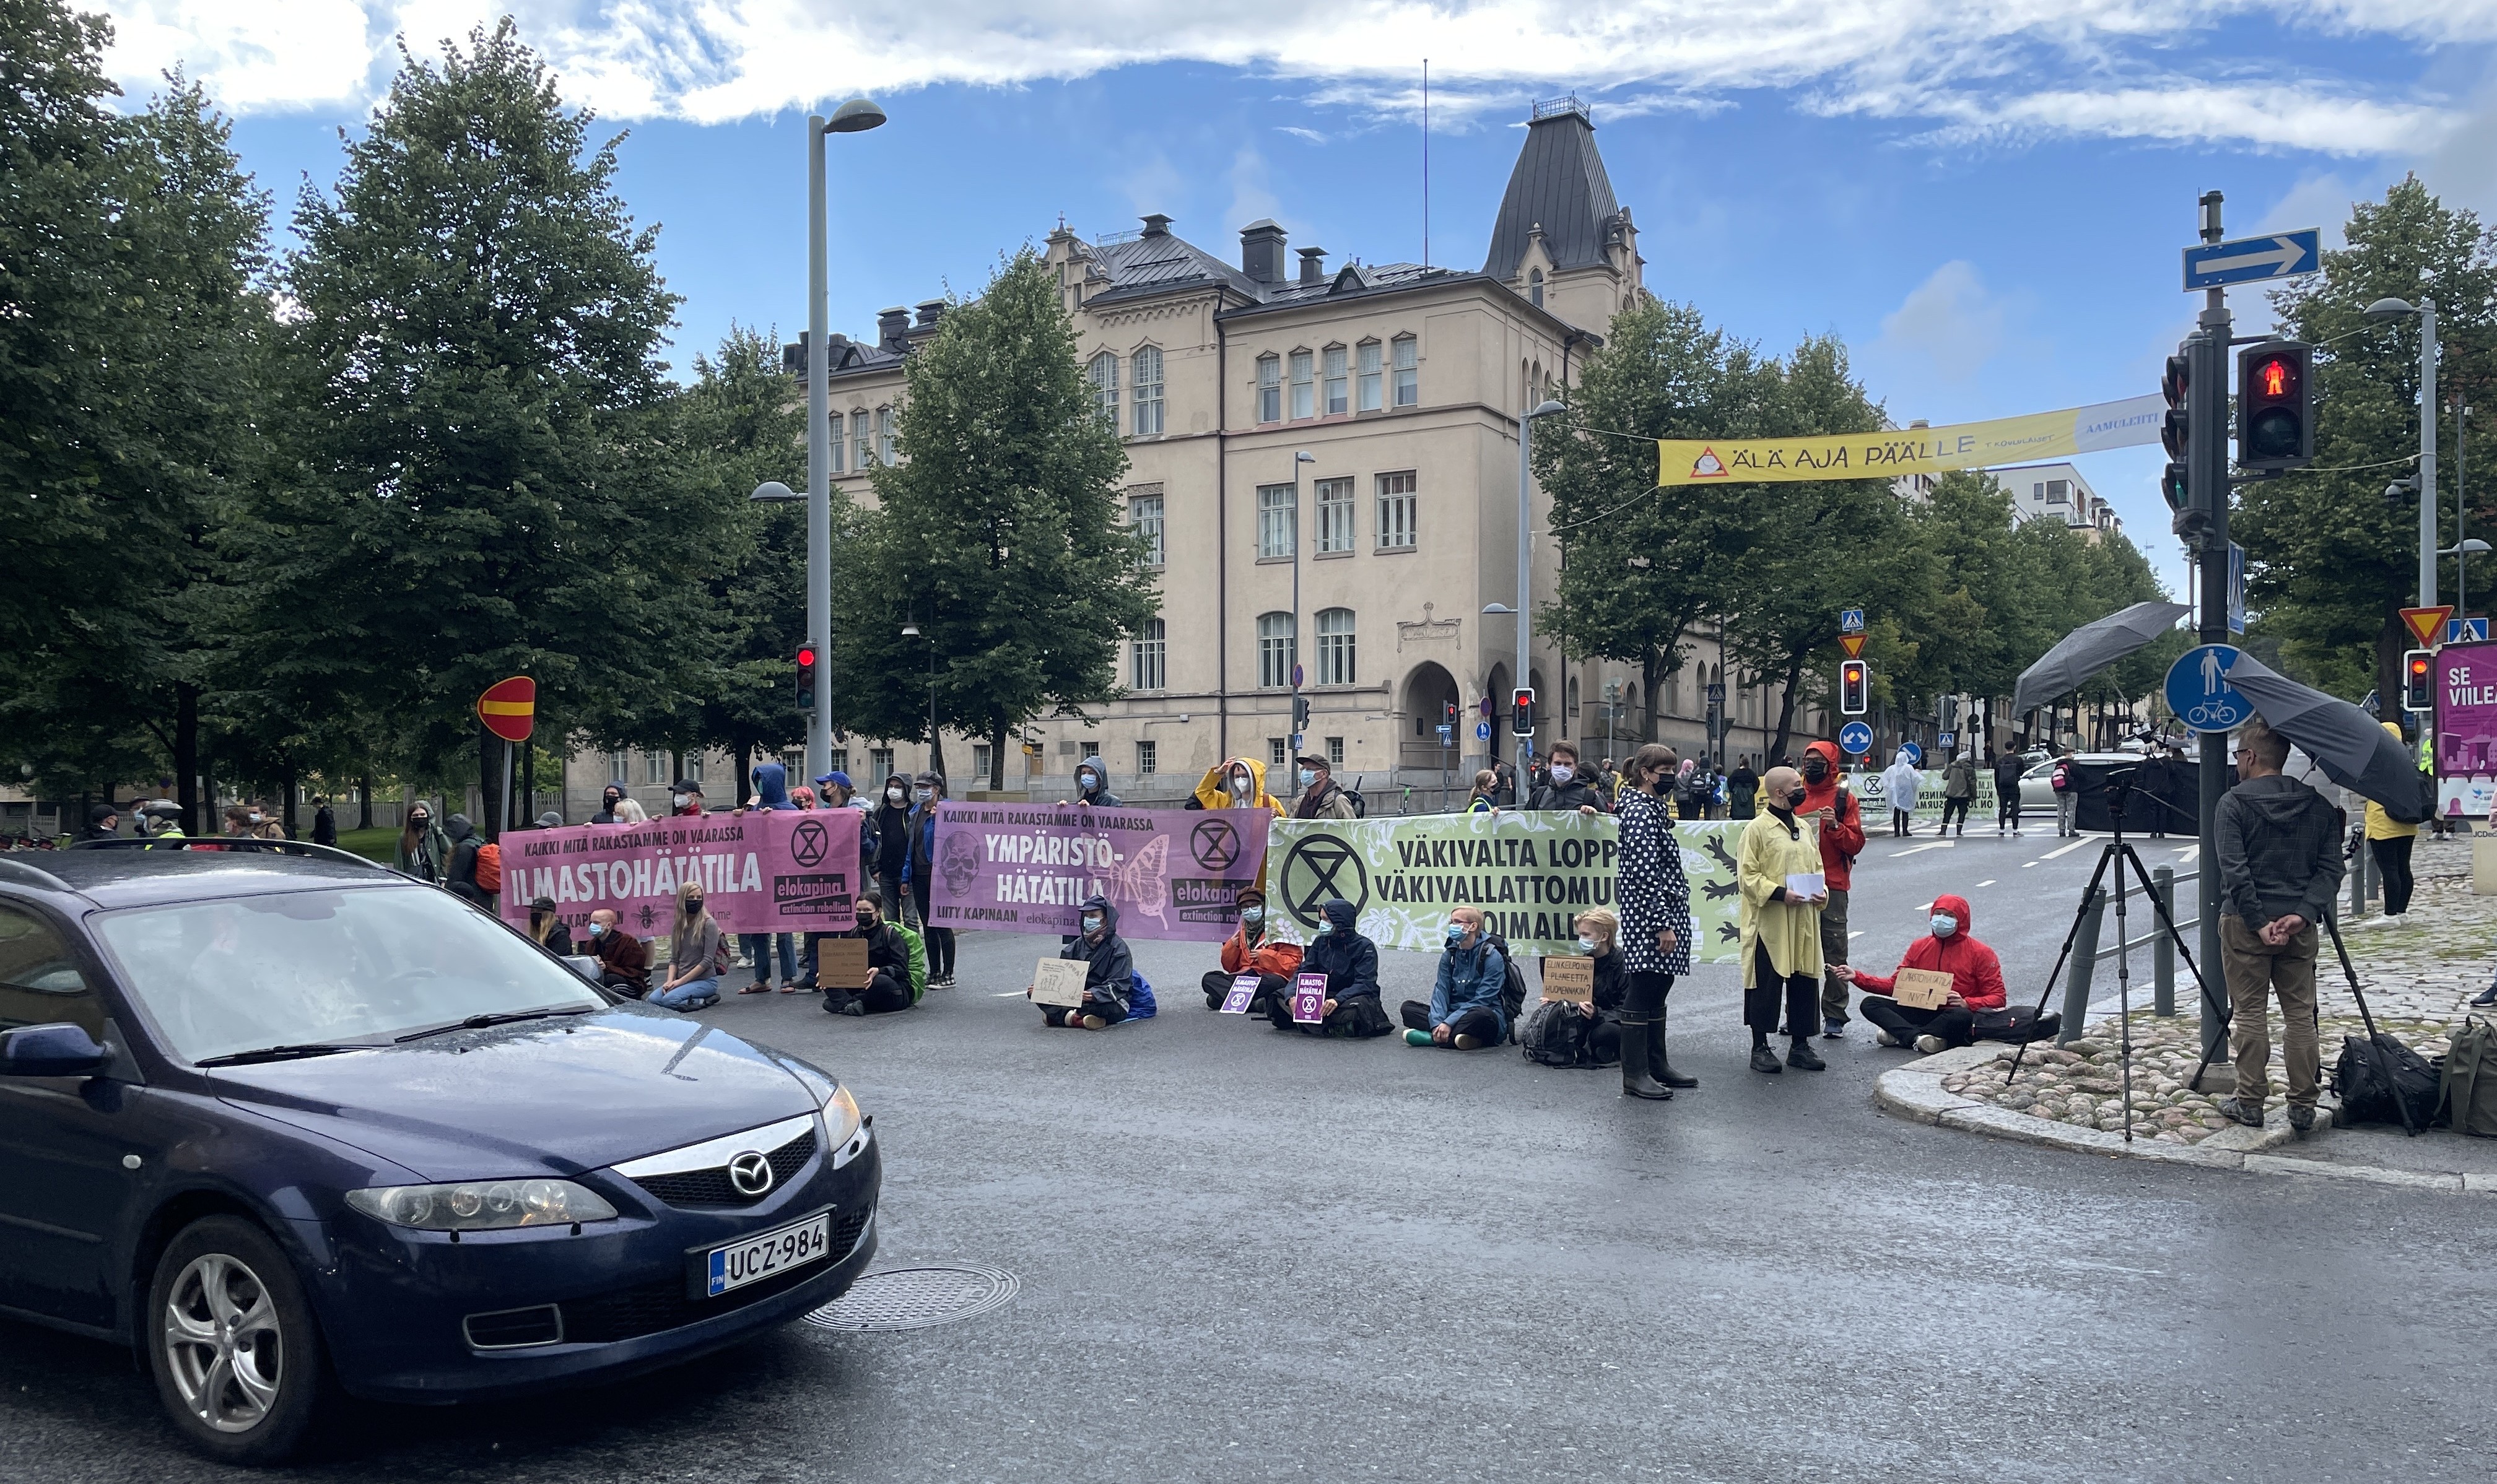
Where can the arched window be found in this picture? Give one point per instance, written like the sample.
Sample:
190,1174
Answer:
1569,707
1148,377
1335,647
1150,670
841,441
1275,647
1534,287
1269,389
1104,376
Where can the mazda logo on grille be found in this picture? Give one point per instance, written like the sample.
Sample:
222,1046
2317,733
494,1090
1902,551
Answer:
750,1173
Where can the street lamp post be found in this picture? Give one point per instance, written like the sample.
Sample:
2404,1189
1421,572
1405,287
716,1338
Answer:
1298,459
2426,309
855,116
910,630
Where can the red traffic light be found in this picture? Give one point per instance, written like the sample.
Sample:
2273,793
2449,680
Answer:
2273,377
2275,407
807,655
1852,679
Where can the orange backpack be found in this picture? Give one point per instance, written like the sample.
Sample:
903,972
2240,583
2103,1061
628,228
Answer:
490,867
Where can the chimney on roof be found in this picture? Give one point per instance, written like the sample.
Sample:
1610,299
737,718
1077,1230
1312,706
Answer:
793,356
1156,225
1313,264
890,327
931,311
1262,250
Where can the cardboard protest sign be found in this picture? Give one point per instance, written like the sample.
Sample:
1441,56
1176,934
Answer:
1243,990
1922,989
1058,982
840,964
1309,998
1570,979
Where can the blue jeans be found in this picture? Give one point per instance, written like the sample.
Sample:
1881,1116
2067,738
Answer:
686,993
757,948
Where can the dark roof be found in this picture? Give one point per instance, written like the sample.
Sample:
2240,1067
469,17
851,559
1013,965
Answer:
1559,184
1349,281
132,876
1157,261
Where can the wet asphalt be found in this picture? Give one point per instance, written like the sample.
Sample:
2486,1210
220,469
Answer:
1250,1255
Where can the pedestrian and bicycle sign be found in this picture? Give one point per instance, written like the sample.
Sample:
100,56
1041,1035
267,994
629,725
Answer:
2198,691
2252,259
1855,738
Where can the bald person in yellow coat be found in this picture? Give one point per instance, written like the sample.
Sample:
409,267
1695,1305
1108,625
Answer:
1779,871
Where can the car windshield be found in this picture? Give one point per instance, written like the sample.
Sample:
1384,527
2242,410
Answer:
308,967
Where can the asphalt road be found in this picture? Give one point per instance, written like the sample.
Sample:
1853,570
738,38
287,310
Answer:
1248,1255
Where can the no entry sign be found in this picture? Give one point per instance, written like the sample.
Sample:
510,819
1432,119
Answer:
510,708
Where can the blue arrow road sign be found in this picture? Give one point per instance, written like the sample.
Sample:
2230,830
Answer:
2251,260
1856,738
1915,754
2198,691
2456,630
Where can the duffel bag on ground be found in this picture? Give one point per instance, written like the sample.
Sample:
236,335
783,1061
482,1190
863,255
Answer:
2470,1085
2365,1095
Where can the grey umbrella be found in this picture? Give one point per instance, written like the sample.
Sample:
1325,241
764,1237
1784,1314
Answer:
2092,647
2352,747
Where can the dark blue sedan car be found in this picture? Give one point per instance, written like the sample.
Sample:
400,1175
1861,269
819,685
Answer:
287,1121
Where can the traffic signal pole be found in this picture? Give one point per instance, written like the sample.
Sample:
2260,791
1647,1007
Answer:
2207,490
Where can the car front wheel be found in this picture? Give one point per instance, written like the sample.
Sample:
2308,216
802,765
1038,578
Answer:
231,1343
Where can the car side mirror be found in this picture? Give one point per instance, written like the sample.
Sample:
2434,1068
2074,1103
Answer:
50,1050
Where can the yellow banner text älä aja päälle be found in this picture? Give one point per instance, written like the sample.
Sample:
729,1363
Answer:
1890,454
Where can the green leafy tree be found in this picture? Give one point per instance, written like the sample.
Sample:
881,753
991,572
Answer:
2329,560
999,533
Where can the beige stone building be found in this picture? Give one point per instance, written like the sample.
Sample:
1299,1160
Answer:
1346,428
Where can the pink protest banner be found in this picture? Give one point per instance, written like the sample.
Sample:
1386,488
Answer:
1172,873
767,870
2466,710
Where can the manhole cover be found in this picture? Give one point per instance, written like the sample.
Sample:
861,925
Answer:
917,1298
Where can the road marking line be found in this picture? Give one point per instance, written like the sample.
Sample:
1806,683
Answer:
1008,995
2026,865
1982,883
1857,934
2067,850
2194,849
1927,845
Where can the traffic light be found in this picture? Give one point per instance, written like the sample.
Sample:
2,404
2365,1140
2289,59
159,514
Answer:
1854,678
1300,715
1524,723
1451,717
2275,406
806,679
2418,682
2176,435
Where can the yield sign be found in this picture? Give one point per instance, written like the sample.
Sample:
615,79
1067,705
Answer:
2427,622
1853,643
509,708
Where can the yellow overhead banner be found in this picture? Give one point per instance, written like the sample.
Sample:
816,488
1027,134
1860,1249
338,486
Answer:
1998,441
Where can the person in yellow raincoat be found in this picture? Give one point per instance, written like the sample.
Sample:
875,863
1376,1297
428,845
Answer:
1781,925
1239,783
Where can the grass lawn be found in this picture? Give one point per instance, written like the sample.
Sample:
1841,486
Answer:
372,844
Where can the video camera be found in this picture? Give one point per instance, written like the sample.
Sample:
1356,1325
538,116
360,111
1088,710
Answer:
2166,799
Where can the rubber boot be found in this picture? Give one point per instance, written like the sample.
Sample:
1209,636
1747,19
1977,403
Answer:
1659,1063
1638,1036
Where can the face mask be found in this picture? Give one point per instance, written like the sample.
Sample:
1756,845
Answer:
1307,778
255,819
1326,925
867,924
1794,800
1239,786
1815,769
598,930
1456,933
1087,783
418,821
895,795
1091,924
924,795
1563,773
693,904
1945,925
1586,946
1252,916
680,800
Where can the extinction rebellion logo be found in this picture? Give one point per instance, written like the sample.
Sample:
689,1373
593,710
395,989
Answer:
1320,866
808,843
1215,845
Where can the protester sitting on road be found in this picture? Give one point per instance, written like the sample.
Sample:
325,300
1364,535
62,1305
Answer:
1485,798
103,823
624,959
1568,788
693,955
1959,791
1780,930
1093,786
2280,866
1951,948
424,850
1839,819
1899,782
1350,962
1109,983
609,797
1465,1010
546,927
1585,1034
921,868
890,984
1235,783
1251,950
1321,798
459,872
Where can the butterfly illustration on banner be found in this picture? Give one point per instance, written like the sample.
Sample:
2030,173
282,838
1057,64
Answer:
1142,879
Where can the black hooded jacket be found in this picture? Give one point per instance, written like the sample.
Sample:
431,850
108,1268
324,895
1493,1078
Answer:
1349,961
1113,972
462,874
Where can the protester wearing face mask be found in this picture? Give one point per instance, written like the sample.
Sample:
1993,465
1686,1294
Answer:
1235,783
1561,1032
1466,1011
694,955
1654,899
1320,797
925,794
1840,820
424,850
1350,960
624,959
1110,981
771,783
686,798
1569,787
1092,787
1781,923
891,818
1251,950
891,982
1976,984
608,796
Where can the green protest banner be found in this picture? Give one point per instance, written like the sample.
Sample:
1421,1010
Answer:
1531,873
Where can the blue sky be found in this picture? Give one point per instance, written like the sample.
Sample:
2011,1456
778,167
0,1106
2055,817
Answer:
1986,200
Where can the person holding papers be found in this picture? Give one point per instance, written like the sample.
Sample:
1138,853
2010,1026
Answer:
1251,949
1778,869
1110,973
1351,963
1952,949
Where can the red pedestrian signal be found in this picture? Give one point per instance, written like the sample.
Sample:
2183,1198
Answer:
1854,681
2275,407
1524,721
806,679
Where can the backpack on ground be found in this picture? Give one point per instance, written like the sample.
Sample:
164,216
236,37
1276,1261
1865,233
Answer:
1140,997
2470,1088
2366,1097
1556,1034
918,961
489,868
1512,984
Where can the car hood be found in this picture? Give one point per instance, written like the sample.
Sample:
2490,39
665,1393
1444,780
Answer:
553,1096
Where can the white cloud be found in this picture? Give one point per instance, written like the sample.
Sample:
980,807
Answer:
1950,320
1969,68
1297,132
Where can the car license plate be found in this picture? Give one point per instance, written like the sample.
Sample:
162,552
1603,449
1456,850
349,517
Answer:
769,1254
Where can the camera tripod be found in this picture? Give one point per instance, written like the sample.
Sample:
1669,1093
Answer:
2118,852
2383,1059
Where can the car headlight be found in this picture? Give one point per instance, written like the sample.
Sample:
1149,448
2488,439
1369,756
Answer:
840,1117
483,1205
